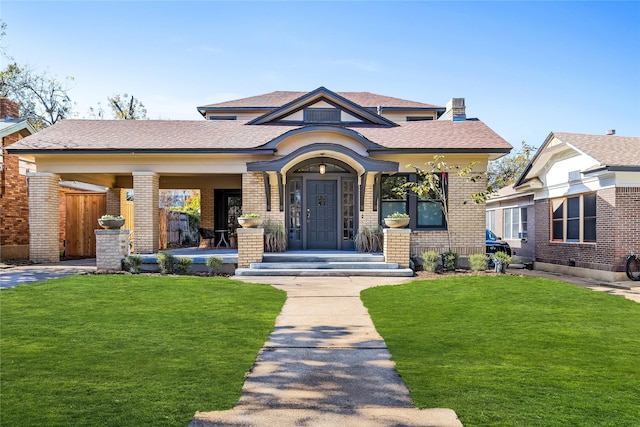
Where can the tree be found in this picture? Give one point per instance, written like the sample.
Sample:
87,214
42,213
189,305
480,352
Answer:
43,99
126,109
506,170
432,183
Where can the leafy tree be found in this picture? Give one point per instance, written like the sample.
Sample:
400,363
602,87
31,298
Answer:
506,170
432,183
43,98
127,109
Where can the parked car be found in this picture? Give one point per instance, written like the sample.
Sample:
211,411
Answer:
496,244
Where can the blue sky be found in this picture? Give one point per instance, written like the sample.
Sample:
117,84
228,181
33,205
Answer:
525,68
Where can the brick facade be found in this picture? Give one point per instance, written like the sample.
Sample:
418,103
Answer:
145,211
206,208
466,222
617,233
44,217
14,203
114,196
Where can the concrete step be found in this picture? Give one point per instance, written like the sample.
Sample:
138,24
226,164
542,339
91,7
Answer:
322,257
335,272
329,265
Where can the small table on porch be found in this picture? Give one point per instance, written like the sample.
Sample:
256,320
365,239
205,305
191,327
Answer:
222,239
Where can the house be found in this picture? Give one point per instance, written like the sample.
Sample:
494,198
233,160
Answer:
324,164
511,216
586,211
14,208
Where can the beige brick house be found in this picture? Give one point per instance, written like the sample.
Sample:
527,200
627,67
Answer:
323,163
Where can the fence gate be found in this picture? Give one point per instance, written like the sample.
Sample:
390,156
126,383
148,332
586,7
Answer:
82,213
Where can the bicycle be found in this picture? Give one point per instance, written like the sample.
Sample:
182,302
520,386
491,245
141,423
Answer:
633,267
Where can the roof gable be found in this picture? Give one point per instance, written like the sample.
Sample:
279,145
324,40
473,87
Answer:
322,99
608,151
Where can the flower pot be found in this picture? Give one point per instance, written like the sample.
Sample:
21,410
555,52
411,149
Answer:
250,222
396,222
111,224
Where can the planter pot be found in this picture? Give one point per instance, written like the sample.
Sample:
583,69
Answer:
396,222
500,268
233,242
250,222
111,224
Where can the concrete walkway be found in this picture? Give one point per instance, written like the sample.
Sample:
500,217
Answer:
325,364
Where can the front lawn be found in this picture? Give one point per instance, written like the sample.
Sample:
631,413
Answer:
514,351
121,350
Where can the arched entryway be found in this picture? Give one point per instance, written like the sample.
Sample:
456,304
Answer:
321,205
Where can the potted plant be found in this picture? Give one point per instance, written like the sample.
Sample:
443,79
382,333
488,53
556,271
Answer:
501,261
250,220
233,240
397,220
111,222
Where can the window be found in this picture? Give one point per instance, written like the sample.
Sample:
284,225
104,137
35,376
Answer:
574,218
419,118
425,212
222,117
515,223
491,220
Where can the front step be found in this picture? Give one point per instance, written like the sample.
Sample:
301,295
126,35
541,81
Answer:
386,272
337,264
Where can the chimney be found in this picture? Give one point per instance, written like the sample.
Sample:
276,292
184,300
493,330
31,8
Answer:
611,132
9,109
456,110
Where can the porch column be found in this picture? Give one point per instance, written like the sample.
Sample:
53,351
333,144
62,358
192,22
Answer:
250,246
253,194
112,246
113,201
206,208
44,217
397,242
146,186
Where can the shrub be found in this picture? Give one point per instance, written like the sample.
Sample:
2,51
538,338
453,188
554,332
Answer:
166,262
398,215
369,239
502,258
479,262
430,260
133,263
450,260
214,264
183,264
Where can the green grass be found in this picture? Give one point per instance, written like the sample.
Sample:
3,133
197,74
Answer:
513,351
121,350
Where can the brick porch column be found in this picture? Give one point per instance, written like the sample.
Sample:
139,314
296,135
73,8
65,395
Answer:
146,186
206,208
113,201
44,217
250,246
397,242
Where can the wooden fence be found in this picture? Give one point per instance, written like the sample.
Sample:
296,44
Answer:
82,211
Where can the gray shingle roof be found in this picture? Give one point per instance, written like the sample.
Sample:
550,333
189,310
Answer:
165,135
609,150
279,98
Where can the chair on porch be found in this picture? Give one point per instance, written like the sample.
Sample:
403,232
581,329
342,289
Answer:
207,234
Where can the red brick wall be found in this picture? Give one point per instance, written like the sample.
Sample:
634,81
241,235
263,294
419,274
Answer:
617,232
14,226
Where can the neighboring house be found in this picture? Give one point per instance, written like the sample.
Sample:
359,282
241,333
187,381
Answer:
511,216
14,207
586,191
324,164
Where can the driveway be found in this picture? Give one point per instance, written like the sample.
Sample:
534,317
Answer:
11,276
